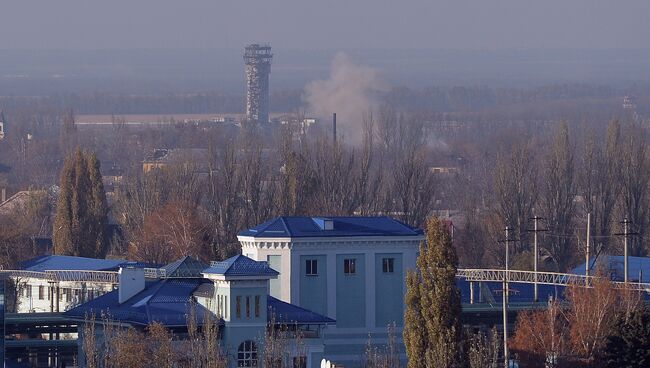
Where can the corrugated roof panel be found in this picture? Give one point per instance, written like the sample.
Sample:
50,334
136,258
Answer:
56,262
240,265
298,227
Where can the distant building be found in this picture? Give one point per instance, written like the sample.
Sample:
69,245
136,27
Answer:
2,125
159,158
257,58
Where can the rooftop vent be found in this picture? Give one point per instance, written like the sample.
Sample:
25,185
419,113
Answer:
324,223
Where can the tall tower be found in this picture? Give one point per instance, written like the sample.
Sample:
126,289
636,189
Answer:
257,58
2,125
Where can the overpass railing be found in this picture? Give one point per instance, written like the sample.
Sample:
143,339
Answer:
546,278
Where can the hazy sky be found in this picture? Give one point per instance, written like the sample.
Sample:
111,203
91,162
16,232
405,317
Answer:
325,24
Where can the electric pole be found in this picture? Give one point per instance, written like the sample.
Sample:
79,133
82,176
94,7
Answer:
626,233
505,322
535,230
587,266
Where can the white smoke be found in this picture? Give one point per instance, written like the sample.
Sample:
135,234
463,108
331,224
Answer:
349,92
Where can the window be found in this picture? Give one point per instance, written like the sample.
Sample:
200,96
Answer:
349,266
247,354
388,265
311,267
300,362
248,307
238,306
257,305
41,292
28,291
225,302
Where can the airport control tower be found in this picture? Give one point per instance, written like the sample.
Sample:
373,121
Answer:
257,58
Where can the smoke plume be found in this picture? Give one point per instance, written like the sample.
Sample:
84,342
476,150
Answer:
349,92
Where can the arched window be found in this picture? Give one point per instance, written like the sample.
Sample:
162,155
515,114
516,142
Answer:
247,354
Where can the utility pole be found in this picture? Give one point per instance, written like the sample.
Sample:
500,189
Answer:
626,233
587,265
506,359
505,289
536,230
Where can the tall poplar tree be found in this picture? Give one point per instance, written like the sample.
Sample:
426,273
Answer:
81,213
432,330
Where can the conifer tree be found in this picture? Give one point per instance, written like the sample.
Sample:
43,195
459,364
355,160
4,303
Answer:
81,214
629,343
432,331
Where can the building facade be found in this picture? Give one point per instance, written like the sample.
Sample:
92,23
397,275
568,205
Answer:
351,269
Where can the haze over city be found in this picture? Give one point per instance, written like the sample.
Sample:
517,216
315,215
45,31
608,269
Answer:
298,184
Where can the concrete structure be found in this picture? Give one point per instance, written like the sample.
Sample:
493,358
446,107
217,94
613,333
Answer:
257,58
2,125
351,269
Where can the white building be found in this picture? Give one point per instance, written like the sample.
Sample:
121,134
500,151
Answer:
351,269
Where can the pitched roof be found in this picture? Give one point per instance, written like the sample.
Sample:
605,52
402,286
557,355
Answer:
166,301
304,227
56,262
240,265
286,313
184,267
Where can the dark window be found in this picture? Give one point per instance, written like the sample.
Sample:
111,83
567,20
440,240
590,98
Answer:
257,305
349,266
248,307
41,292
238,306
388,265
300,362
312,267
247,354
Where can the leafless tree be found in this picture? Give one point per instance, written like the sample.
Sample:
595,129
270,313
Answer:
635,177
558,195
599,183
516,192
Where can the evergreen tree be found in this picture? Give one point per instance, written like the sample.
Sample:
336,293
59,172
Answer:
414,333
432,330
97,206
629,344
81,214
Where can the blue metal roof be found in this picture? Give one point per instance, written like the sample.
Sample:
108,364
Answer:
286,313
304,227
55,262
240,265
166,301
638,267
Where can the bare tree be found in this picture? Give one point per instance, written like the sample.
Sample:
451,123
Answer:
515,186
635,177
599,183
558,197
